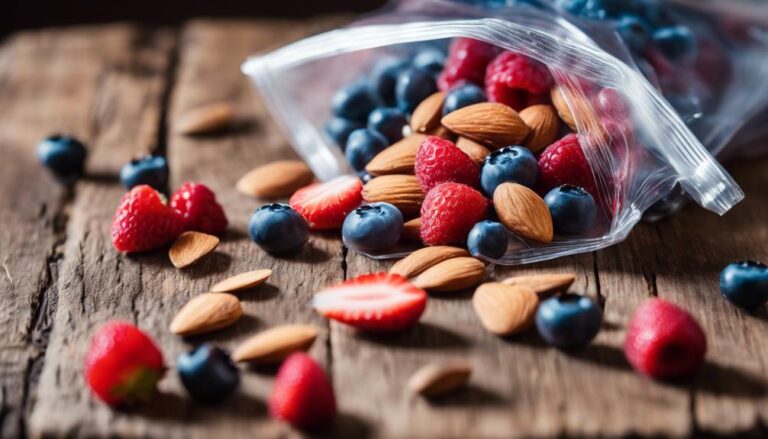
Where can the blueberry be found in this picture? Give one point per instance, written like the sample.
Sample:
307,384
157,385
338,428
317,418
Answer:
633,31
573,209
592,9
463,96
413,86
208,374
362,146
745,284
64,156
277,228
489,239
388,122
513,163
430,59
150,169
373,227
384,77
354,102
569,321
675,42
339,129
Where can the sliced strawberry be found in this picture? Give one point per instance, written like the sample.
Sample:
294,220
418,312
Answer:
378,302
325,205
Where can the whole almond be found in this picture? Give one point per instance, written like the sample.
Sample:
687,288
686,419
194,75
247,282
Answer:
440,378
582,110
451,275
522,211
403,191
411,230
544,284
398,158
242,281
474,150
190,247
206,119
427,114
505,309
544,124
277,179
442,132
274,344
205,313
489,123
418,261
560,104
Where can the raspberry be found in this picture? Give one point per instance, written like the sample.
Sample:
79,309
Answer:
439,160
466,62
563,162
512,78
448,213
143,222
198,206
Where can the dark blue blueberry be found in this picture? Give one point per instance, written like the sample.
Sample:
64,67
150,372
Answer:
151,170
278,229
655,13
413,86
339,130
569,321
745,284
362,146
463,96
573,209
388,122
354,102
675,42
208,374
513,163
365,176
633,31
430,59
592,9
489,239
373,227
384,77
64,156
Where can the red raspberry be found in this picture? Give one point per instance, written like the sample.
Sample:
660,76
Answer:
439,160
563,162
143,222
511,78
302,394
198,205
663,341
448,213
610,105
466,62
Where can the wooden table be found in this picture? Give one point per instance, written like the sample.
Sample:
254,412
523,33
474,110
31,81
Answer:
119,87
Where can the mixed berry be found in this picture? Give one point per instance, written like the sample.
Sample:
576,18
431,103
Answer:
208,374
151,170
64,156
569,321
745,284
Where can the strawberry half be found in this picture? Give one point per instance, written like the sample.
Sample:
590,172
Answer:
378,302
325,205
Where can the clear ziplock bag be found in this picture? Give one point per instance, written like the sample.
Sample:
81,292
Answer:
633,165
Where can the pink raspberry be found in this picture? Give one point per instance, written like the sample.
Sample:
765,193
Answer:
448,213
439,160
198,206
466,62
563,162
511,78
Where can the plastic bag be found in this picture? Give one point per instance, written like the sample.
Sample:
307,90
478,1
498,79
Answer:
632,168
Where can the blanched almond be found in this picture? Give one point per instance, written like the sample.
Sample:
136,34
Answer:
544,284
274,344
440,378
524,212
277,179
505,309
398,158
242,281
206,119
451,275
403,191
474,150
205,313
427,114
190,247
544,124
489,123
418,261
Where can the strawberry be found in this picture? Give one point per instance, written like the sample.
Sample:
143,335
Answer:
466,62
198,206
325,205
563,162
516,80
302,394
123,364
438,160
143,222
448,213
379,302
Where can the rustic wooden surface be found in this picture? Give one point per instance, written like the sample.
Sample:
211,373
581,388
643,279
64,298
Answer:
120,88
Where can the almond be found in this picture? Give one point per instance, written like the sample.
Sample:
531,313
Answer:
418,261
412,230
544,125
451,275
438,379
403,191
206,119
581,109
398,158
474,150
522,211
558,100
274,344
544,284
489,123
427,114
190,247
505,309
205,313
277,179
442,132
242,281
